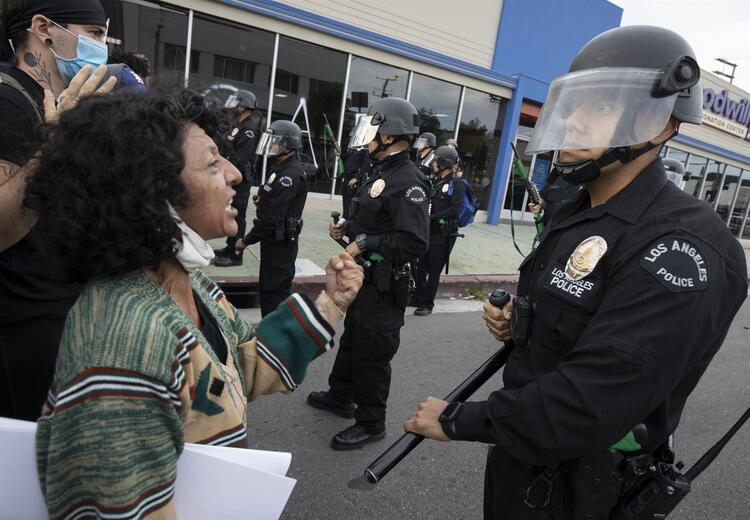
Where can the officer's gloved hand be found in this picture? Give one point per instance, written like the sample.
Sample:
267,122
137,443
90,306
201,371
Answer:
498,320
337,230
344,279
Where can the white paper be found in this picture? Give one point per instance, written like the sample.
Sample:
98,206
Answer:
212,481
276,462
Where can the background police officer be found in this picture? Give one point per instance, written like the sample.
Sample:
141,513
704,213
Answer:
244,141
675,172
281,201
389,228
446,196
356,167
603,356
425,144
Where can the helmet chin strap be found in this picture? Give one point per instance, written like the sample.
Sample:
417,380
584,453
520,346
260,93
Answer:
589,169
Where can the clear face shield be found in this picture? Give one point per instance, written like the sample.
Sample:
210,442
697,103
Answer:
419,143
429,159
232,101
270,144
602,108
365,130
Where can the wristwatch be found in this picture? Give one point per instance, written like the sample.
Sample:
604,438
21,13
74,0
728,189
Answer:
448,417
360,240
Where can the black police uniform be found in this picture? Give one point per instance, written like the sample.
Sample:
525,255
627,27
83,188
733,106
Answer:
280,205
447,196
611,350
425,171
33,301
356,164
244,140
555,191
397,228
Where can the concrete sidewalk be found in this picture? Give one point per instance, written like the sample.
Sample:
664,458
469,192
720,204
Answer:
486,258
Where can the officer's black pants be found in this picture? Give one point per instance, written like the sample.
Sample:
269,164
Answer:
362,370
505,483
431,264
239,202
276,273
28,352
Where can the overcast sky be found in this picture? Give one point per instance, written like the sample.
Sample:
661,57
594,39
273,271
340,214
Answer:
714,28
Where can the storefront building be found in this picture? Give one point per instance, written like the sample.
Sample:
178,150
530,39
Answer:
477,72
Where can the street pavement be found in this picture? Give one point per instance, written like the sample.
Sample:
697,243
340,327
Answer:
444,480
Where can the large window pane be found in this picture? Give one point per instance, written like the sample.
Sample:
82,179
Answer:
479,140
712,184
437,103
159,33
741,204
231,57
317,74
728,190
696,169
370,81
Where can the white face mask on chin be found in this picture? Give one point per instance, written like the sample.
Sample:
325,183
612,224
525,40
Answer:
193,252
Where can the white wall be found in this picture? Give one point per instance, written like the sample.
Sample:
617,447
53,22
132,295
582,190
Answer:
466,31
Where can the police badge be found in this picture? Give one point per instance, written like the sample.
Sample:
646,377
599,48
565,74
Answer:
585,257
271,179
377,188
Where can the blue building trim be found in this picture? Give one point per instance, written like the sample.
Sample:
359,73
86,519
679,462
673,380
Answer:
356,34
540,38
718,150
528,88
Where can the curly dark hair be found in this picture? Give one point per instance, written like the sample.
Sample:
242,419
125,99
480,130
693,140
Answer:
106,171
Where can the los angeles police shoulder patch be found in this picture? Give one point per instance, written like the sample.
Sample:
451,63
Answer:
416,195
677,263
286,181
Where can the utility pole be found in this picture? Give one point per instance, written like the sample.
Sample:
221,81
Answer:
384,92
726,62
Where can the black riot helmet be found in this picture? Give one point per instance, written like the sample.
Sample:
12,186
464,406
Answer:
243,98
425,140
624,85
388,116
445,157
281,137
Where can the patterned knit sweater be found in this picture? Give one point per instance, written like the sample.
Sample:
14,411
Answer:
136,379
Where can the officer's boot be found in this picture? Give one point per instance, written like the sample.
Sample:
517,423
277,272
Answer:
229,259
325,401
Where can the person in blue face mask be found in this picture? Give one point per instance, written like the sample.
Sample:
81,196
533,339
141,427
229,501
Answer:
47,48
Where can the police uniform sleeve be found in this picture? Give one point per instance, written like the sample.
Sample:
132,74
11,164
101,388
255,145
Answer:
274,203
410,238
647,337
244,154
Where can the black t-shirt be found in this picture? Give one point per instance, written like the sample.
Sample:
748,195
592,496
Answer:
27,287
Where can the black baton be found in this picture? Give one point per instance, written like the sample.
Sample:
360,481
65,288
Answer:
402,447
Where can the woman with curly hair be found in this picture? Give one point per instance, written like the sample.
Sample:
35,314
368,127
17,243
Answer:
128,189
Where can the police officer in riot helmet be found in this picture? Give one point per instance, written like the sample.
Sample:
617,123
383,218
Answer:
446,196
603,357
425,146
243,140
281,201
388,230
675,172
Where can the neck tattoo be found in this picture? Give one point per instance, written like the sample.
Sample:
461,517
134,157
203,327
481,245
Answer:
38,69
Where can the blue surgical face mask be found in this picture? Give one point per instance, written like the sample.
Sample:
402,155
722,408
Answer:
88,52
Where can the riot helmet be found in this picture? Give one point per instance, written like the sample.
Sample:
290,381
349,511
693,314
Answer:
281,137
243,98
675,171
452,142
445,157
622,88
388,116
425,140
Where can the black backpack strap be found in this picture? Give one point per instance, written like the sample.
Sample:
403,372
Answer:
9,80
